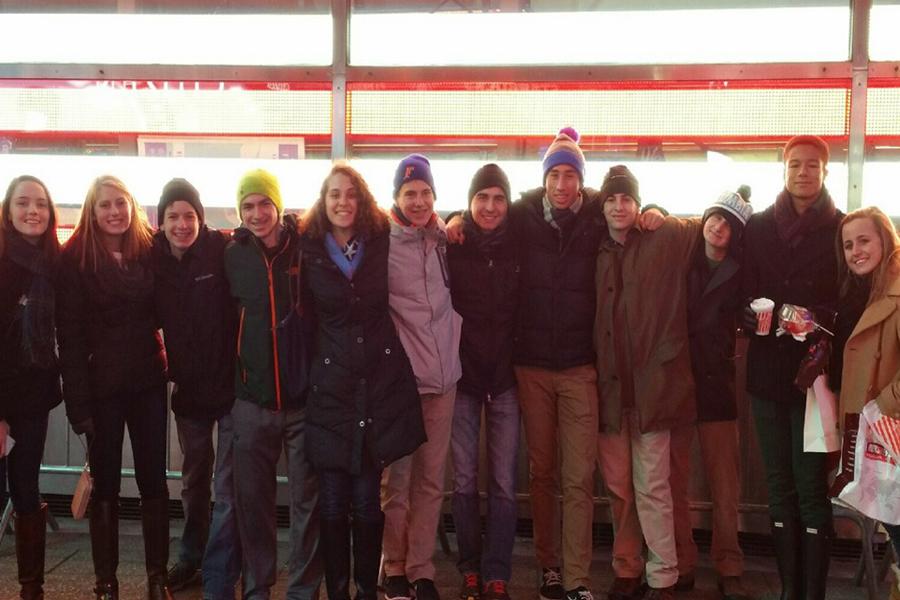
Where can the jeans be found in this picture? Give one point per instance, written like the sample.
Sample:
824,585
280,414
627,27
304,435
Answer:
260,435
24,462
222,559
342,494
796,480
195,437
145,414
502,427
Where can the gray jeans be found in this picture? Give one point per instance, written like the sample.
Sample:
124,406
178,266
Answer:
259,437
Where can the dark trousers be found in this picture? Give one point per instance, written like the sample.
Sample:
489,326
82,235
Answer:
195,437
145,415
342,494
796,480
24,462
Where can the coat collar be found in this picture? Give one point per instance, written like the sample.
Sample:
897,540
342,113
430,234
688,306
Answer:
722,274
880,310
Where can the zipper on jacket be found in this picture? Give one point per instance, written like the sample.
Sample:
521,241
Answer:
274,317
239,338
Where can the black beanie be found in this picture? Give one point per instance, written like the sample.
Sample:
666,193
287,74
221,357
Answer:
619,180
490,175
178,189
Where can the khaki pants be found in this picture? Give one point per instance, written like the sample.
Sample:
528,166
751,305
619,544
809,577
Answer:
412,492
635,467
721,462
560,413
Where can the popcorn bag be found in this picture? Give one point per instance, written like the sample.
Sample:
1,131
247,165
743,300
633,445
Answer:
874,489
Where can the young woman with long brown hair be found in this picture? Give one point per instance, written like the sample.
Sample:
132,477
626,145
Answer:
29,375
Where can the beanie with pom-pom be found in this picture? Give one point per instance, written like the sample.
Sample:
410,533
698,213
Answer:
564,150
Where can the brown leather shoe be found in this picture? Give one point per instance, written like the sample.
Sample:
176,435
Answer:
732,588
626,588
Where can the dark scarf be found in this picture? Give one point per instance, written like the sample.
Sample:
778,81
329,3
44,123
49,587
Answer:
38,325
487,242
128,279
850,307
791,227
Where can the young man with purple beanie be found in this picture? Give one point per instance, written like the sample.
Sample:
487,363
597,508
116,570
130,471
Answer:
484,283
713,288
199,323
429,329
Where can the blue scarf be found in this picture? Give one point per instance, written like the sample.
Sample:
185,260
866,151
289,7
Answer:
348,257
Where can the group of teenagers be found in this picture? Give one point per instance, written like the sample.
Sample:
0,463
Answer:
607,329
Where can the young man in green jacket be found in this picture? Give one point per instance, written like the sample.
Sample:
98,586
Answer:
268,416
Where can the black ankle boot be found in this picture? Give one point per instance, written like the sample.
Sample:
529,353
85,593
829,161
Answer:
367,537
31,534
816,558
786,536
104,526
335,540
155,525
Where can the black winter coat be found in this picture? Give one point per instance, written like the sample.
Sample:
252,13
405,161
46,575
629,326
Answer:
484,286
363,403
805,276
109,343
199,321
713,301
556,310
24,390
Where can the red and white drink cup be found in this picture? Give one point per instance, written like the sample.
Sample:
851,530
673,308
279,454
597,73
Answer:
763,307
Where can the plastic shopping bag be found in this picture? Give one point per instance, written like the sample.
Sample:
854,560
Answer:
820,426
875,486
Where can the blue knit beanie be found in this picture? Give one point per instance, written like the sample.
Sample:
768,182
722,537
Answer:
564,150
411,168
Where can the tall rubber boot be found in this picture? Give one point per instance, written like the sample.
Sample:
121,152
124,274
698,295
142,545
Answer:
786,535
816,557
104,526
367,537
31,536
155,525
335,541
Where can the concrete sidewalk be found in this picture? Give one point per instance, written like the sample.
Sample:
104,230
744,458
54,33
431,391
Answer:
70,572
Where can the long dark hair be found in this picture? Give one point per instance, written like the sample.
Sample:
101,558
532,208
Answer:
49,240
370,219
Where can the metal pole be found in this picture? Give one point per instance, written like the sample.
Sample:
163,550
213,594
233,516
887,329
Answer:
340,15
859,60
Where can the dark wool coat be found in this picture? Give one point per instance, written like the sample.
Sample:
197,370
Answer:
109,341
713,302
484,285
199,321
24,390
805,275
363,400
556,309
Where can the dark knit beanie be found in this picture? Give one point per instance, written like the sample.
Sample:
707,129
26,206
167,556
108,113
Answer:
178,189
490,175
564,150
619,180
411,168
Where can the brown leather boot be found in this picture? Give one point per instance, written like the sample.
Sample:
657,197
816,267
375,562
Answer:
31,535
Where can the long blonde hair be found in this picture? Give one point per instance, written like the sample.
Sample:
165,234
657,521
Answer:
889,267
85,239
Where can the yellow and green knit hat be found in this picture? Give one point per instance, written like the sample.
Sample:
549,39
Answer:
259,181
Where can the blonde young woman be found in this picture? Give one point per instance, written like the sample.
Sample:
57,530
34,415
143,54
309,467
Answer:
868,251
113,368
29,376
